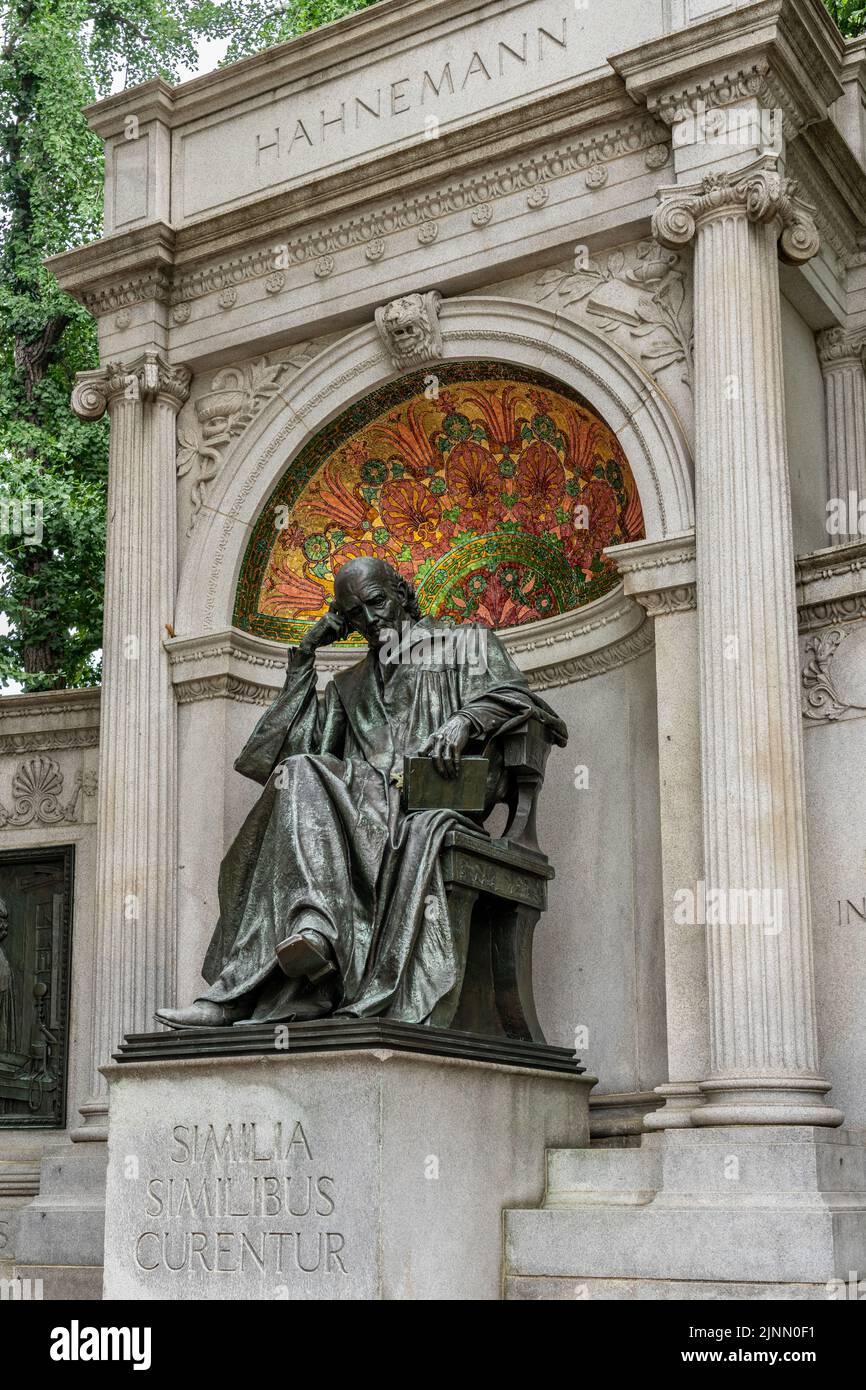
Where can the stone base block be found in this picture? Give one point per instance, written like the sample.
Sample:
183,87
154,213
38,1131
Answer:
744,1207
60,1283
63,1225
368,1174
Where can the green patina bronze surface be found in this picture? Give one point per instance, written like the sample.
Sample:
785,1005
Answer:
330,849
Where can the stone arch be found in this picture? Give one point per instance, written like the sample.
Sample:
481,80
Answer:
472,326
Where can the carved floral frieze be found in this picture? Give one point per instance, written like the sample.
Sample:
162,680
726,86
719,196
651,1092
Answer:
476,193
822,699
37,793
637,294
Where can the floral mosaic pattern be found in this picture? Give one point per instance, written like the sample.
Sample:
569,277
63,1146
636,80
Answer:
496,489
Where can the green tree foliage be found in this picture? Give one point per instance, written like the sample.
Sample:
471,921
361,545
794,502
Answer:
850,15
57,56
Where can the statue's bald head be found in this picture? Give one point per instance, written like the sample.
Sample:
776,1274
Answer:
365,569
373,597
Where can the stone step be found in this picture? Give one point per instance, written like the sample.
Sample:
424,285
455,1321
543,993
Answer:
789,1162
751,1243
64,1223
19,1178
602,1177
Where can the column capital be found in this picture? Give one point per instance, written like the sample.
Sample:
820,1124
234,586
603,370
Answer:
148,377
841,348
759,192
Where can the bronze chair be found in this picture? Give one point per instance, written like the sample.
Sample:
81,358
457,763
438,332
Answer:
496,891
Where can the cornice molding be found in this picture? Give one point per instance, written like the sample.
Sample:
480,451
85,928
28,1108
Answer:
586,642
49,720
224,687
659,574
48,703
834,182
784,53
113,280
47,740
831,586
582,668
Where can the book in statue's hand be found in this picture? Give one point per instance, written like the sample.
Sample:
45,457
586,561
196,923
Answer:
425,789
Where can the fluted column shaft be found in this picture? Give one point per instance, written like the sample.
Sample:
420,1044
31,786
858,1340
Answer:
134,948
843,362
763,1062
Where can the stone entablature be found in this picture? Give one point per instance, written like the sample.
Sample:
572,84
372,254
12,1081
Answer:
209,284
241,283
51,719
831,586
378,84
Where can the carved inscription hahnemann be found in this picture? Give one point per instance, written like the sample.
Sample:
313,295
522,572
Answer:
241,1198
418,95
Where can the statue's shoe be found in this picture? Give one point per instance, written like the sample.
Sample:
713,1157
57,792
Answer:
202,1014
305,955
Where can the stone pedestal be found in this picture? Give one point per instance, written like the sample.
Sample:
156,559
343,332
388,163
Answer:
363,1172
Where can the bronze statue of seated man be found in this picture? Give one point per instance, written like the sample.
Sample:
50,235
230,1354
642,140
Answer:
331,897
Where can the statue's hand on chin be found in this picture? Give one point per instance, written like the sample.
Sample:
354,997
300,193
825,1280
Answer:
330,628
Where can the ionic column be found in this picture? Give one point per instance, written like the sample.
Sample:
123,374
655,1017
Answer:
843,361
763,1047
134,940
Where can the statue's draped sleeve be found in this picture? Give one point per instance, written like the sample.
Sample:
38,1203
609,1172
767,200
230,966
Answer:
496,699
297,722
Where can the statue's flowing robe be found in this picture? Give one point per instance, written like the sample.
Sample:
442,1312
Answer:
8,1023
329,832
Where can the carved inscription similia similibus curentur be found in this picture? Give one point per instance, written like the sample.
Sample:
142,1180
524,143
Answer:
241,1198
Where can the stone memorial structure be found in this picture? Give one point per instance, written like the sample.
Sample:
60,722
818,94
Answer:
562,317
